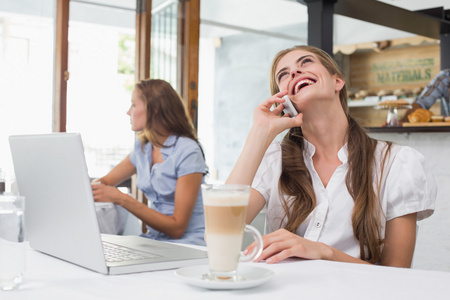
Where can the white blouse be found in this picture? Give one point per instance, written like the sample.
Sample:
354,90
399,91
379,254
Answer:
407,187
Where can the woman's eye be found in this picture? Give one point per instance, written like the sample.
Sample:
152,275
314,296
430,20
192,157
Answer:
306,60
280,76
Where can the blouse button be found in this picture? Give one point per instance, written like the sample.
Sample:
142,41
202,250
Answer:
318,224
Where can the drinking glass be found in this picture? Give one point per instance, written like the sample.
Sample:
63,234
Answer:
225,208
12,241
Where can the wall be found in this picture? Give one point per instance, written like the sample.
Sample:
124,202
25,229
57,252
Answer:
242,69
433,241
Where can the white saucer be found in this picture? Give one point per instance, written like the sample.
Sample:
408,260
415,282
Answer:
252,276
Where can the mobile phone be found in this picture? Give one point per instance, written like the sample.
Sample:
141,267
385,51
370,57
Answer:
288,107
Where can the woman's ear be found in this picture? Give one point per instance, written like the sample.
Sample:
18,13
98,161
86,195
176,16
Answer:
339,84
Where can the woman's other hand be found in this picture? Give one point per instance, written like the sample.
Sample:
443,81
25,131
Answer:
282,244
106,193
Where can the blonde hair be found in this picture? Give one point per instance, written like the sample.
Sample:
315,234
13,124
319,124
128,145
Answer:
295,179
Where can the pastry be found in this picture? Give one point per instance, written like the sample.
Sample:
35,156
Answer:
437,118
408,93
361,95
399,92
394,103
420,115
382,93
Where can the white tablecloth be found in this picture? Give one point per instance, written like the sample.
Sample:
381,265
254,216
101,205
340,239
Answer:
50,278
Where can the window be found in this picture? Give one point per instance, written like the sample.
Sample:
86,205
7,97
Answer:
164,39
26,71
101,79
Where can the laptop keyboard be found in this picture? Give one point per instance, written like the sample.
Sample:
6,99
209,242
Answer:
115,253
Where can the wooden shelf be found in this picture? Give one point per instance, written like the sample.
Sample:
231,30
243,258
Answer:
408,129
427,124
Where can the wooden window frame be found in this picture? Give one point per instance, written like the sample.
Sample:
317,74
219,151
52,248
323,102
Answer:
143,39
188,45
188,55
61,66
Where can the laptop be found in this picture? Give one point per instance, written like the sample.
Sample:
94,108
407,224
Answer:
60,217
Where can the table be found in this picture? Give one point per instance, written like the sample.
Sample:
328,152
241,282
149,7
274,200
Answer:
50,278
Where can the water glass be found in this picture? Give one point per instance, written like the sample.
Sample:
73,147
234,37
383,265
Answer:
12,241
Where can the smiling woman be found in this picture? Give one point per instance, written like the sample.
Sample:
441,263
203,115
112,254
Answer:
331,192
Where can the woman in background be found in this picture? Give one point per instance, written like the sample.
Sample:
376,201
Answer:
331,191
169,163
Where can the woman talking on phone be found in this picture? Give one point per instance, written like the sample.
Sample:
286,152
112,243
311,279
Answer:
169,164
331,192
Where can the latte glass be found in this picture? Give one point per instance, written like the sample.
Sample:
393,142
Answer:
225,208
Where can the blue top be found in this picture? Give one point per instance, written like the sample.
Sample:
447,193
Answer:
439,87
182,156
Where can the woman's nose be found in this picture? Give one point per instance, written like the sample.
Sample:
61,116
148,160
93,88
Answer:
295,72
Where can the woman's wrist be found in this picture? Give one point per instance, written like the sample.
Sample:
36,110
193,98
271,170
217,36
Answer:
326,252
122,200
261,135
333,254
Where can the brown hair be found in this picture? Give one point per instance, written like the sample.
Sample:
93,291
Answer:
295,179
164,107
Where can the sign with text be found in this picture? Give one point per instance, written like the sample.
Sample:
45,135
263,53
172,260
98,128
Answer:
407,67
404,71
